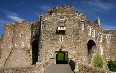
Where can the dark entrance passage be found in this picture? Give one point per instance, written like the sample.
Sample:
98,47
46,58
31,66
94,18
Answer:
35,49
90,45
61,57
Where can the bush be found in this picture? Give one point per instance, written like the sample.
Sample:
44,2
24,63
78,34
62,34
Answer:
98,61
77,72
112,65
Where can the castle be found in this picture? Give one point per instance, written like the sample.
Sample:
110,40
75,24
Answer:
24,43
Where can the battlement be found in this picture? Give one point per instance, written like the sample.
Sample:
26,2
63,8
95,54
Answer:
109,31
62,9
35,25
21,22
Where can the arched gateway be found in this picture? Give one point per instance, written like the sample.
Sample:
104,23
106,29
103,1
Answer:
91,45
61,57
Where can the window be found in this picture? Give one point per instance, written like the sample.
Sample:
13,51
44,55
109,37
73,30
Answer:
42,24
61,38
61,27
21,35
99,37
89,30
93,32
61,23
82,25
108,38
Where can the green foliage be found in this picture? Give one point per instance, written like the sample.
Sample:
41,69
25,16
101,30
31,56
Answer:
77,72
112,65
60,56
98,61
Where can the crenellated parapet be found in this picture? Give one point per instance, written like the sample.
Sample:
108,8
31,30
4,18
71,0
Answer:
62,9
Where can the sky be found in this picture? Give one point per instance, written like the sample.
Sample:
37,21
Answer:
30,10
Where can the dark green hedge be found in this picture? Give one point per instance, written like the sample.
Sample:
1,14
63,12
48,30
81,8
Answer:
112,65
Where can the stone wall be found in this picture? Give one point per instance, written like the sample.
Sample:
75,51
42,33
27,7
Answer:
74,41
7,43
17,70
17,39
0,47
16,43
109,44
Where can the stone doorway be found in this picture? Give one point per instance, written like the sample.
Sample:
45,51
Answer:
35,50
61,57
91,45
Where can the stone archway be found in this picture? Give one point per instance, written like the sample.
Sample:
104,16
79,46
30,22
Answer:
35,50
91,45
61,57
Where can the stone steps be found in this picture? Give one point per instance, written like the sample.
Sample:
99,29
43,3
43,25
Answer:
59,68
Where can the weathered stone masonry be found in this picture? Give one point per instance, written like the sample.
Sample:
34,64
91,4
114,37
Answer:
16,42
61,28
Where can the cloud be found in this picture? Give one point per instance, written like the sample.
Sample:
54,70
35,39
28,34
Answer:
13,16
105,26
99,5
44,7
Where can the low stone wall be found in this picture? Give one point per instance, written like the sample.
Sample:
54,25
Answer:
17,70
87,69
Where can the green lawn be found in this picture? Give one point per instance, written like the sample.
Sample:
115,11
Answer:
60,56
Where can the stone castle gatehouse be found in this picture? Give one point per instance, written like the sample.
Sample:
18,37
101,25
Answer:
25,43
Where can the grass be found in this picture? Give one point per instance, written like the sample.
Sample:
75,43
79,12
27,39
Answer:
60,56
